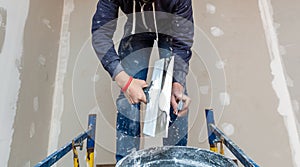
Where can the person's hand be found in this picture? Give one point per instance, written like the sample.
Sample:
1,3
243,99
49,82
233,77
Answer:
134,92
176,96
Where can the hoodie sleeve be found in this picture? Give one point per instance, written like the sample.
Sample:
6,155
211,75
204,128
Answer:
183,34
103,27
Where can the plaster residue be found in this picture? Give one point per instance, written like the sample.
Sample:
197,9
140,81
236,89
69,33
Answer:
289,81
62,63
16,13
276,26
282,50
42,60
216,31
32,130
296,105
220,64
3,16
36,104
95,78
279,83
224,98
47,23
210,8
228,129
204,89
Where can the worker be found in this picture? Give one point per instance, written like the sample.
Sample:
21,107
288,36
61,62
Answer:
169,23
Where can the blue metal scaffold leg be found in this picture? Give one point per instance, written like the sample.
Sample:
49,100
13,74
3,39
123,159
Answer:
77,142
90,146
215,135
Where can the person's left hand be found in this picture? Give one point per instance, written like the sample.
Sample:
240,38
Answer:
176,96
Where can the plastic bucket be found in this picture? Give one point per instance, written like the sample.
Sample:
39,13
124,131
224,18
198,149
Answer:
177,156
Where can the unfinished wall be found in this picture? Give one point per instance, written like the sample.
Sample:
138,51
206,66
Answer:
55,80
11,45
251,119
250,116
32,122
28,64
286,24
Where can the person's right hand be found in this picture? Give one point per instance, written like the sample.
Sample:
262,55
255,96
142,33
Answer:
134,93
178,95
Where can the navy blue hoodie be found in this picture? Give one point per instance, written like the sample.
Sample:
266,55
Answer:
171,24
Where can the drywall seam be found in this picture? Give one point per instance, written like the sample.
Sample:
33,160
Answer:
10,83
62,64
279,82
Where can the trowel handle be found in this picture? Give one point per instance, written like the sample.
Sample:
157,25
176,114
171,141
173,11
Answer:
146,91
180,105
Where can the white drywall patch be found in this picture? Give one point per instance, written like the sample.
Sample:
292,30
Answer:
210,8
62,64
216,31
220,64
3,16
36,104
279,83
204,89
228,129
16,15
224,98
95,78
42,60
47,23
32,130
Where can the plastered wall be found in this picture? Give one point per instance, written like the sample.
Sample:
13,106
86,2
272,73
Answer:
38,67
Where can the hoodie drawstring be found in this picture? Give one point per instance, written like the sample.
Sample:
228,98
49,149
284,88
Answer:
143,18
134,18
155,24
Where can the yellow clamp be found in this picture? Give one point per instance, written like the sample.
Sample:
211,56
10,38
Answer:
75,155
90,157
216,149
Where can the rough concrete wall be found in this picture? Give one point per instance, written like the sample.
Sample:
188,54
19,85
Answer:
32,122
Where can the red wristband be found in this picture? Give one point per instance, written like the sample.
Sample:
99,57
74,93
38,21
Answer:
124,89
